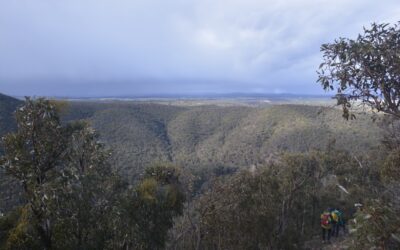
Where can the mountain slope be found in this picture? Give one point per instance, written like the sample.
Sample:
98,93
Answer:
141,133
8,105
8,188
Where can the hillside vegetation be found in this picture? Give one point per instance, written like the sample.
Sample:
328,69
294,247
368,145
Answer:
231,172
7,109
210,137
9,188
201,136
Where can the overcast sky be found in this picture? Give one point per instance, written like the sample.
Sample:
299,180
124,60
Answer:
128,47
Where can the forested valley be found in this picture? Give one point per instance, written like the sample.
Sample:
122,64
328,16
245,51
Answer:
141,175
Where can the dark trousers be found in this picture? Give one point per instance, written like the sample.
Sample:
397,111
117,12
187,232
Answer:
326,234
335,229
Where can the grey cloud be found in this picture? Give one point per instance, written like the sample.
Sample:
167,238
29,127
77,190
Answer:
103,47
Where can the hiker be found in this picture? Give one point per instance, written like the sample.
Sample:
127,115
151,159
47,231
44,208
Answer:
337,221
326,225
342,222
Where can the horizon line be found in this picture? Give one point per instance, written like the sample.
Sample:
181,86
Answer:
181,95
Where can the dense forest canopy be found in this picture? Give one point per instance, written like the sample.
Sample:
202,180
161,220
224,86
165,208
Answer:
203,136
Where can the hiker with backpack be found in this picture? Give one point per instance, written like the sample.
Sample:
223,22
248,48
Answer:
335,222
326,225
338,222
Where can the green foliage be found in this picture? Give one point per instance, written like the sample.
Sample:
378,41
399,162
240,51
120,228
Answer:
13,229
7,109
64,173
390,170
21,234
159,200
33,155
365,69
140,134
74,200
272,206
146,212
136,133
9,188
378,224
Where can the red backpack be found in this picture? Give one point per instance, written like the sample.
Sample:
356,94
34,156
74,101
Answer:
325,219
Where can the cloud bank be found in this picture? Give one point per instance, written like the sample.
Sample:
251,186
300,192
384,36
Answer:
126,47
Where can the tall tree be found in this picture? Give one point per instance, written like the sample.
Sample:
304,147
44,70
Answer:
365,69
32,155
64,173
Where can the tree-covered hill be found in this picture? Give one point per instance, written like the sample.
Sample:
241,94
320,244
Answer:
136,133
303,141
8,105
7,109
141,133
